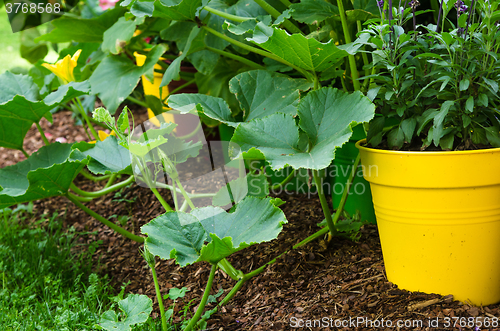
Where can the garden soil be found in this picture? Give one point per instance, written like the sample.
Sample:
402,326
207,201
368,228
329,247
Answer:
339,286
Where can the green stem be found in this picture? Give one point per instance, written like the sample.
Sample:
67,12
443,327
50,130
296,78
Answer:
174,193
234,18
365,61
111,180
92,177
192,133
184,193
84,114
241,59
137,102
347,37
190,195
343,200
256,51
284,182
184,206
83,199
101,219
44,138
177,89
286,3
24,152
165,205
228,268
104,191
275,14
249,275
160,300
324,204
204,299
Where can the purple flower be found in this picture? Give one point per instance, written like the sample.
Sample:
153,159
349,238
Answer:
380,3
461,7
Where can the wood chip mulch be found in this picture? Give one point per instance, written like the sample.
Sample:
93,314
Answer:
339,287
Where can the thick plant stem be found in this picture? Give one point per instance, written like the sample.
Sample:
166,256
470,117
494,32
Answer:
228,268
257,51
184,194
44,138
347,188
137,102
101,219
160,300
234,18
204,299
84,114
275,14
238,58
324,204
111,180
165,205
93,178
104,191
347,37
192,81
285,181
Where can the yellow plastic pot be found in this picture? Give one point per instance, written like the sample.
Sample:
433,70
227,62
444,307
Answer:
438,215
154,88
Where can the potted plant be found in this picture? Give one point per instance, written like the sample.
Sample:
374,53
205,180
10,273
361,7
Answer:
433,169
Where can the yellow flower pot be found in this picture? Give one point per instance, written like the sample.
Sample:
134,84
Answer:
438,215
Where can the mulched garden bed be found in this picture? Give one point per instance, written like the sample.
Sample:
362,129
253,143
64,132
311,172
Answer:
344,281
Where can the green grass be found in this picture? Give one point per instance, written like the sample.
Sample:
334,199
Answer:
45,278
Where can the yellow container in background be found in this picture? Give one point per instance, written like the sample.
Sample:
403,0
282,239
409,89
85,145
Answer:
438,216
154,88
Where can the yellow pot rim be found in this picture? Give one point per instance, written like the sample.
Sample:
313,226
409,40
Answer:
383,151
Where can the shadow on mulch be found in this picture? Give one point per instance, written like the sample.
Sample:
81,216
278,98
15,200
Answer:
342,287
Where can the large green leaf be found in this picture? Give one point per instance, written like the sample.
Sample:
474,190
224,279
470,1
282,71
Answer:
46,173
136,309
262,93
116,38
116,77
174,69
212,107
182,236
305,53
108,157
178,10
18,112
252,222
313,11
76,29
326,117
236,190
175,235
12,85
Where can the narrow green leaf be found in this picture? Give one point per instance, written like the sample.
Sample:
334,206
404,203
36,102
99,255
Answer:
408,126
492,84
469,104
395,138
464,84
439,120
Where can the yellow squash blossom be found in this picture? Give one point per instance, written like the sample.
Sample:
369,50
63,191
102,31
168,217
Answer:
64,68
